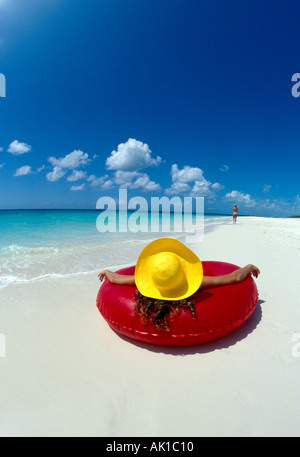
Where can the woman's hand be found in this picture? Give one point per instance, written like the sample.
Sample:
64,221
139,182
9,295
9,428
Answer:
102,275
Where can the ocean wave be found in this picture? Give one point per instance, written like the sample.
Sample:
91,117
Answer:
5,281
15,249
21,263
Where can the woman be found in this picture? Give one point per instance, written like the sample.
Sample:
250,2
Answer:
167,275
235,213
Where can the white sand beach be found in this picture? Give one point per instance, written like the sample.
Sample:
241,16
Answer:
66,373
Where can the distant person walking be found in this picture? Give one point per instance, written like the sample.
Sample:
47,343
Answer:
235,213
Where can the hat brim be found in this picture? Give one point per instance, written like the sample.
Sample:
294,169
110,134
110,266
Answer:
191,264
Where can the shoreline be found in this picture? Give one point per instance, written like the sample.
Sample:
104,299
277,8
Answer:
66,373
140,210
133,246
77,247
210,225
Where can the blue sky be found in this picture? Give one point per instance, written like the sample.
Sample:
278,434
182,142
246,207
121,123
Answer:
163,97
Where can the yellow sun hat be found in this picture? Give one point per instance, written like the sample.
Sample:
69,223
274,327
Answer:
168,270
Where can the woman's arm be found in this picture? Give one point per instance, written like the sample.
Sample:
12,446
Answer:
235,277
116,278
208,282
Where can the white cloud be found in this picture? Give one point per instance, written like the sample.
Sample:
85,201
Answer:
78,188
296,206
202,189
40,169
224,168
178,188
131,156
17,148
125,179
135,180
77,175
217,186
239,197
103,182
186,174
267,188
56,174
73,160
2,165
193,176
143,181
27,170
23,171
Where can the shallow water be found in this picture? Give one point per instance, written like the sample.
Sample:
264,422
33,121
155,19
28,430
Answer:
40,243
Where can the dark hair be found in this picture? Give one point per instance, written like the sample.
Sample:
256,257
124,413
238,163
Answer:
158,311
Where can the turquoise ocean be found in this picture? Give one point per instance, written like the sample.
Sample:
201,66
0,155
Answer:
36,244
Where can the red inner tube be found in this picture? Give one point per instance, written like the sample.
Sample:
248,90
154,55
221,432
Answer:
219,310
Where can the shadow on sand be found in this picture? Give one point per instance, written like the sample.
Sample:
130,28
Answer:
225,342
